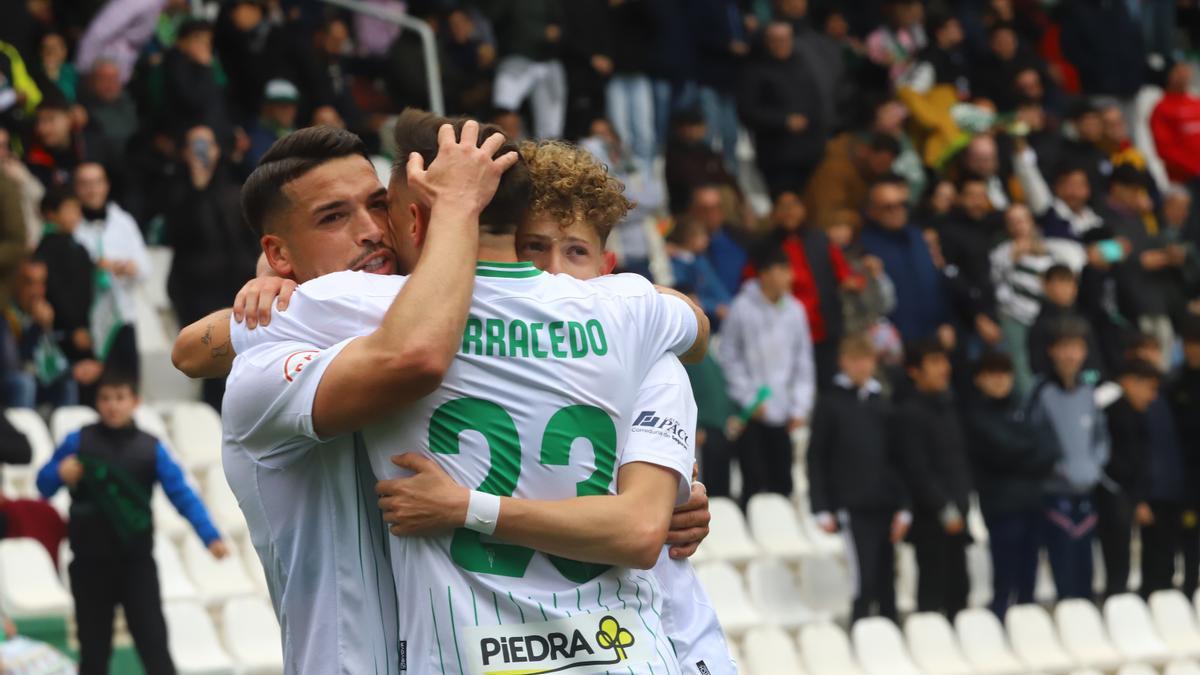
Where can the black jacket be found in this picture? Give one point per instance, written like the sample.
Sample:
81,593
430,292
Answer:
770,91
1129,437
1183,393
70,284
852,455
967,245
935,451
1009,463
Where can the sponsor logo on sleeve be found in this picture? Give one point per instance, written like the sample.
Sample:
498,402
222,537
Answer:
297,362
650,422
581,644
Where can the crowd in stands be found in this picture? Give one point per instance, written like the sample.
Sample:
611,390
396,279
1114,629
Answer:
952,243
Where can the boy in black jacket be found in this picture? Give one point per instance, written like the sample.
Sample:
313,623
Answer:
1183,393
1121,493
1010,466
1060,287
854,476
939,477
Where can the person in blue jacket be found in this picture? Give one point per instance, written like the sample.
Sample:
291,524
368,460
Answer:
111,468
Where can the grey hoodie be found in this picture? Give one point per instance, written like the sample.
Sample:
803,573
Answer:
1079,431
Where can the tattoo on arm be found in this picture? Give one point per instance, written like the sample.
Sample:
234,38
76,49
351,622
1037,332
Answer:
219,350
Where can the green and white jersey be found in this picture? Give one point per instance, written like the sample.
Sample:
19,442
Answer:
537,405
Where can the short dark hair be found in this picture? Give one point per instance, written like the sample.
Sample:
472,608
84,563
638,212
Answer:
1066,168
1140,369
1058,272
918,351
771,256
993,361
417,131
1069,328
1141,340
117,377
288,159
55,198
192,26
54,100
1189,329
1128,175
880,142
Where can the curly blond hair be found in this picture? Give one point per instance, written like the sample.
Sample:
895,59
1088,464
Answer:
570,185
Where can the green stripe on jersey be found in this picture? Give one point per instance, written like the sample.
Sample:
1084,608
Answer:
437,633
507,274
454,627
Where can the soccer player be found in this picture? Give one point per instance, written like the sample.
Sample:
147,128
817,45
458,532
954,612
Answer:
546,361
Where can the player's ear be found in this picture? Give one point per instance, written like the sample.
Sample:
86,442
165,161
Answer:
609,264
277,256
420,223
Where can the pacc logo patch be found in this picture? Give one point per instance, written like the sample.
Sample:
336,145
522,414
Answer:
583,644
649,421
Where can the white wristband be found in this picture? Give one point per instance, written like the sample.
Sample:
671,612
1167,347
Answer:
482,512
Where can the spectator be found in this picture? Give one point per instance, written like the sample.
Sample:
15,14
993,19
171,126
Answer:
109,105
981,159
468,64
1120,497
1060,290
36,370
894,46
1115,141
865,311
250,47
721,48
1018,266
118,32
70,273
766,353
1105,45
672,65
1009,465
1068,215
935,205
1175,125
13,239
630,93
779,102
1080,440
29,190
204,227
587,59
276,119
939,477
54,151
946,52
115,244
1183,393
55,70
193,93
849,167
727,242
691,163
967,239
996,76
529,37
693,271
111,469
1080,144
922,306
822,54
856,476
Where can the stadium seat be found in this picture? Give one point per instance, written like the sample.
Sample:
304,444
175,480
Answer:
984,645
728,596
252,636
173,580
770,651
20,481
1082,632
149,421
933,645
29,583
166,518
70,418
1137,669
825,650
823,542
1044,591
1035,641
196,430
729,539
223,505
826,586
979,572
216,580
906,578
774,592
880,649
1182,667
775,526
1176,623
193,641
154,290
1133,631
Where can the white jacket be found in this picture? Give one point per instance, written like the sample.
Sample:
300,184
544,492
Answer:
118,238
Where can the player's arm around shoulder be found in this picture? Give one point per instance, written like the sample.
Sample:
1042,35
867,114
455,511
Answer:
205,349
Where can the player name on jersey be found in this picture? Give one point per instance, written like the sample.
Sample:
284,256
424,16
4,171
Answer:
514,338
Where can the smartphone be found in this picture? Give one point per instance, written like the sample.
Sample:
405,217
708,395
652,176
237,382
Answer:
200,150
1111,250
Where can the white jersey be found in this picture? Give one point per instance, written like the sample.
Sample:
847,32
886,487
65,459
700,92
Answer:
312,513
536,405
665,401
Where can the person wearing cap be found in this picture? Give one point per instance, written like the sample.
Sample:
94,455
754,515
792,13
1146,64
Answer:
276,119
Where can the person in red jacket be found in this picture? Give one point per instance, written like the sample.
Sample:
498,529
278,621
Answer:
1175,124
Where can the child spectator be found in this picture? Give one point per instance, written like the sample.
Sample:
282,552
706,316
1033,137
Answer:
690,265
866,311
1060,288
1067,401
1121,494
1183,393
111,468
1009,467
855,475
766,351
939,476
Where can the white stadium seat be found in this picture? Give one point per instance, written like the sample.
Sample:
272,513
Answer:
20,481
724,587
252,636
825,650
193,641
906,578
984,645
166,518
1182,667
880,648
933,645
769,650
149,421
1083,635
1137,669
979,573
774,592
173,580
1035,641
776,527
729,539
826,586
1176,623
823,542
1133,631
29,584
196,430
70,418
216,580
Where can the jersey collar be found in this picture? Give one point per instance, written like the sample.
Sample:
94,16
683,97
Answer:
506,270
